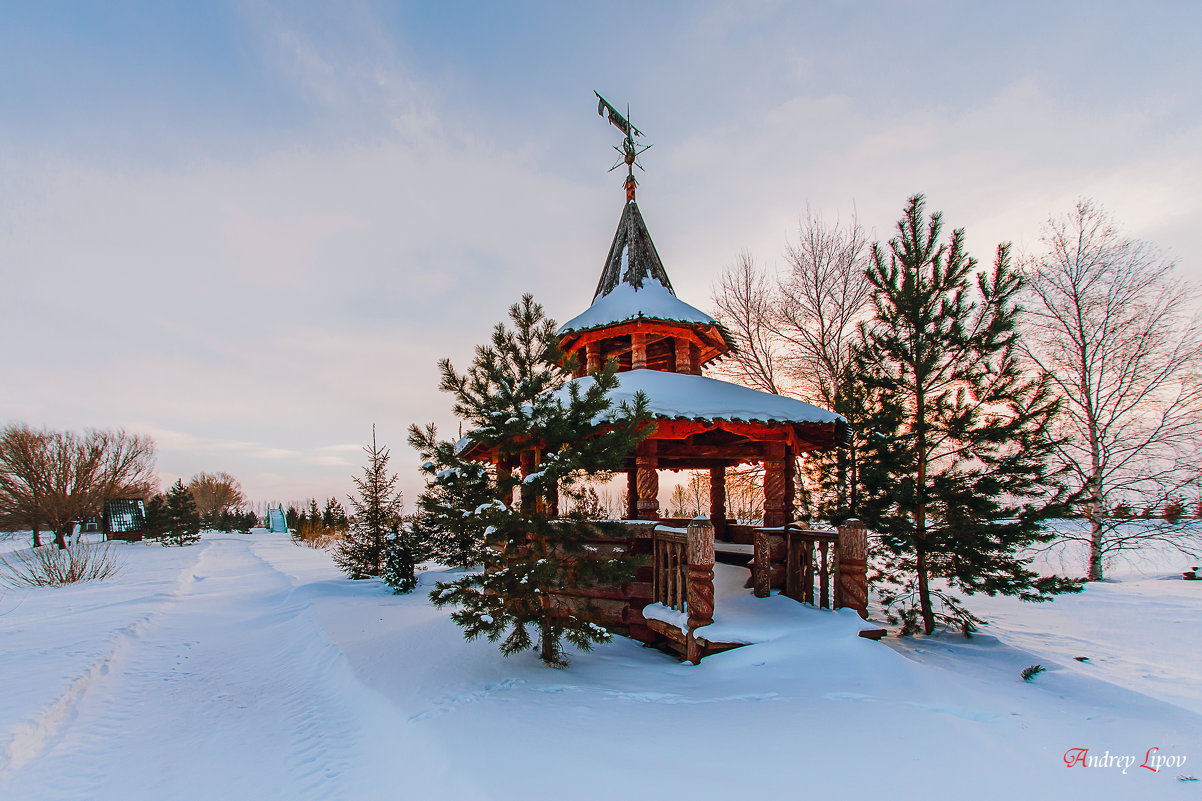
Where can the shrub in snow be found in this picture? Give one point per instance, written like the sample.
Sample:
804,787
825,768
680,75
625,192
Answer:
1031,672
508,398
49,566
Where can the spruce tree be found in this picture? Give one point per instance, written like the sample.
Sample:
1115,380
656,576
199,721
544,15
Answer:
183,520
517,397
156,518
401,555
957,479
377,511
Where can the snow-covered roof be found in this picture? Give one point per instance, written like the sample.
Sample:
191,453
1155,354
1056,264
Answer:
634,282
625,302
695,397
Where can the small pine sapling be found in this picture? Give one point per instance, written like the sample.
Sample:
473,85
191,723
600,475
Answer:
377,510
183,521
401,556
1031,672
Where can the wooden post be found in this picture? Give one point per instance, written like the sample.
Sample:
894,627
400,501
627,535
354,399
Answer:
638,351
504,470
529,461
793,568
684,355
718,500
632,495
824,578
774,493
790,484
762,564
700,550
648,480
851,587
593,356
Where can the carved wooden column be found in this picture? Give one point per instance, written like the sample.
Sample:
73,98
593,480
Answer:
700,554
529,502
632,494
684,356
718,500
790,485
648,480
851,587
638,351
774,492
761,565
504,470
593,356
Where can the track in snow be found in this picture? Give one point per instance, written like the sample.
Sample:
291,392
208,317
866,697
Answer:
232,690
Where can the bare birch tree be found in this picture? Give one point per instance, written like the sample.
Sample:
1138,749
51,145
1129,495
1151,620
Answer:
745,299
794,329
820,302
1120,337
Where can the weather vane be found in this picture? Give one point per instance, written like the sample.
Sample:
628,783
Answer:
630,150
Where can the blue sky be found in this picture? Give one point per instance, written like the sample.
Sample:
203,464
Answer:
309,204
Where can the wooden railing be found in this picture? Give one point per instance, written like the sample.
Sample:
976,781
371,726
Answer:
670,564
834,560
809,556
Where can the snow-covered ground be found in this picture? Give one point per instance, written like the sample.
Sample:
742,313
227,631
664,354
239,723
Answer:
248,667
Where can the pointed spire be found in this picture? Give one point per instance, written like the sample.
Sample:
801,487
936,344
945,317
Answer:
632,256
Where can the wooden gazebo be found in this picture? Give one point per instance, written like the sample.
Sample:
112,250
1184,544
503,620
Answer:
661,345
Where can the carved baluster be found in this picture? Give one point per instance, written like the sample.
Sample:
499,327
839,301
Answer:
762,565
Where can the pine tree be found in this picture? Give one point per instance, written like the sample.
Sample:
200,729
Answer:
446,533
156,518
377,511
182,519
957,472
516,397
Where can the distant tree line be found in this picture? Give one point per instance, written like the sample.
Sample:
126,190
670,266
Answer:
51,481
